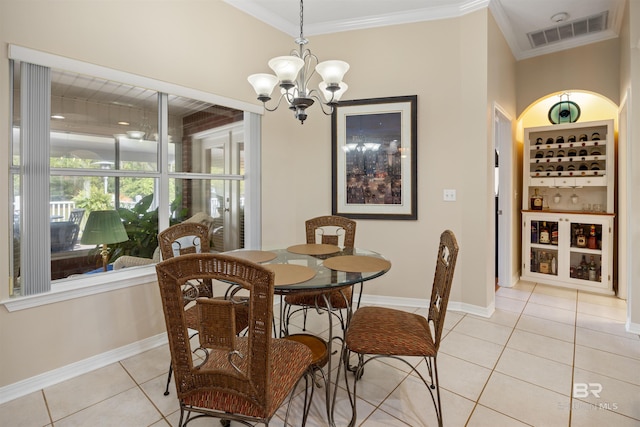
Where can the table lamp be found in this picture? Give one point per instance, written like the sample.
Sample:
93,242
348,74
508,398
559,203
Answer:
103,228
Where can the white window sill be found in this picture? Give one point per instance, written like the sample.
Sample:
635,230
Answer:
82,286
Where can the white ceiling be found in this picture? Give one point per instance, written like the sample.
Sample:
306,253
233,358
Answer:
516,18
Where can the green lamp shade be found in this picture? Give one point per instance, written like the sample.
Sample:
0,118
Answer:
103,227
564,112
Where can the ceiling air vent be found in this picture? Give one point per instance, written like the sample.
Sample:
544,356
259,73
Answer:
568,30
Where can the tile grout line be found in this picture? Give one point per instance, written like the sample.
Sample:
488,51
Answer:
477,401
46,404
139,386
573,361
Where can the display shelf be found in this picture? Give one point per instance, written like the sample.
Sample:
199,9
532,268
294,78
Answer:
571,167
570,155
566,259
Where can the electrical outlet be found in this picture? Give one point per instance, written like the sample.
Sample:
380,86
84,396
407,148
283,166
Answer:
449,196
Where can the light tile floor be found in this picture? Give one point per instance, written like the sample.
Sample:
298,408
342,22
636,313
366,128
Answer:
517,368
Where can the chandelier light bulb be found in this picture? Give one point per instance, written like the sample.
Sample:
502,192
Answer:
263,84
286,68
332,96
332,71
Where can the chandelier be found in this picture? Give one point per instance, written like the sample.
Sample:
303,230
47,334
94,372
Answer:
293,74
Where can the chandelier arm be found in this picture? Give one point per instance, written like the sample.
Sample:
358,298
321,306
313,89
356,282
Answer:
322,104
310,68
313,93
264,104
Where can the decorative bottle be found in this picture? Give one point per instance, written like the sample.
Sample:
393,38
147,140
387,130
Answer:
583,268
592,270
534,262
554,233
544,266
536,201
581,239
592,242
544,234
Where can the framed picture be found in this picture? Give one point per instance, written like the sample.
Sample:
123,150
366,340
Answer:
374,158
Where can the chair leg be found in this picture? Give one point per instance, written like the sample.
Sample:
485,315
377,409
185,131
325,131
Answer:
308,396
359,295
309,382
304,319
432,368
285,317
358,373
437,388
166,391
180,424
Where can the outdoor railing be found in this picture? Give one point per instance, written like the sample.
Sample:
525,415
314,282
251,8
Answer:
62,209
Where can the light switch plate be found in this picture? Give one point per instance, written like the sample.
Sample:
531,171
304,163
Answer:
449,195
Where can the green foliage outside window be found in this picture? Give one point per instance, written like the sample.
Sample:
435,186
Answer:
141,225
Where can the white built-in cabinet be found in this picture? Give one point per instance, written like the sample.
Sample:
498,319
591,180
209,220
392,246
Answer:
567,237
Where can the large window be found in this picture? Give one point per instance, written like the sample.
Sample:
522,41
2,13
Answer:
85,143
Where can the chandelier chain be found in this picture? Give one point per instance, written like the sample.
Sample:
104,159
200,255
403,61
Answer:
301,19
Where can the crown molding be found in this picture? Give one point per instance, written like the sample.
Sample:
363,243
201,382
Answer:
426,14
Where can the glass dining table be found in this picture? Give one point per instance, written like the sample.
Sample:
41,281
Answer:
319,268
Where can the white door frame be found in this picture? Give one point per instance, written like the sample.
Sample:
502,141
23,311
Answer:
503,143
228,137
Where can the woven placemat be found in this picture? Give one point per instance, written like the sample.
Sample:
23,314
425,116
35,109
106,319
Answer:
357,263
253,256
314,249
289,274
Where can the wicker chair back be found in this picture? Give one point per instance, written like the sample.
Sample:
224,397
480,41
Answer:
235,377
184,238
339,226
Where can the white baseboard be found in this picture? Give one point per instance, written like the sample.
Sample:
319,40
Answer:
47,379
423,303
633,328
472,309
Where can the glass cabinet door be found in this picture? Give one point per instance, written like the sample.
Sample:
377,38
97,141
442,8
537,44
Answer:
544,247
585,261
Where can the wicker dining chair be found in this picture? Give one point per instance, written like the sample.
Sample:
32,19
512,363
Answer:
188,238
330,229
384,332
226,376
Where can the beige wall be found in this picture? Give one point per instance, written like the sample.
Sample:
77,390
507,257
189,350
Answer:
630,79
591,68
54,335
502,91
474,153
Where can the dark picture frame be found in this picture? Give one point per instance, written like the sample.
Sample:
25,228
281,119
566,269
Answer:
374,158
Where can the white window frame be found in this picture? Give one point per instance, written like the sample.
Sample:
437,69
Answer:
70,288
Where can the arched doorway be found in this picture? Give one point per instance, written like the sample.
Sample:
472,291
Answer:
593,107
